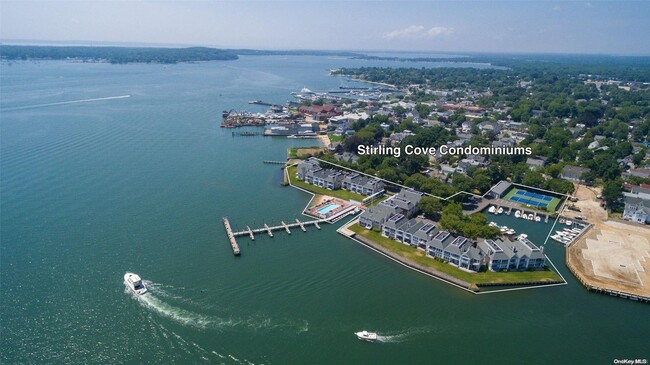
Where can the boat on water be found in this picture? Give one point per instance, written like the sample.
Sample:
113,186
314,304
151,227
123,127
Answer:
492,209
562,221
522,236
518,214
538,219
531,217
560,239
569,223
510,232
367,336
504,229
493,224
134,283
500,210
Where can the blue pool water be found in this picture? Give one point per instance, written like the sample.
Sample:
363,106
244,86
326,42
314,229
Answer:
326,209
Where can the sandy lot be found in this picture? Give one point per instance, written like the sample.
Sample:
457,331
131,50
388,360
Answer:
613,255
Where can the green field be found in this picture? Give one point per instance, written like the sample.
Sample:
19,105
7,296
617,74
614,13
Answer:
484,277
551,207
340,193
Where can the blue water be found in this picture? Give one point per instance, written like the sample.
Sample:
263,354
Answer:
96,188
327,208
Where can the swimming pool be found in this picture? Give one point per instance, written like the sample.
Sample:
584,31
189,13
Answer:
326,209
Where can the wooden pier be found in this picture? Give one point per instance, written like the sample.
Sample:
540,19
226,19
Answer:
231,237
250,232
275,162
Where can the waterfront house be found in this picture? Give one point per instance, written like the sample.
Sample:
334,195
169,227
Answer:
362,184
375,216
514,255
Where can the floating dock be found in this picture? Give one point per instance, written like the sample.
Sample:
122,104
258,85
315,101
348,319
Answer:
231,237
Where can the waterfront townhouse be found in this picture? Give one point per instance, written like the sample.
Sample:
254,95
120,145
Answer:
374,217
516,255
456,250
311,172
403,230
361,184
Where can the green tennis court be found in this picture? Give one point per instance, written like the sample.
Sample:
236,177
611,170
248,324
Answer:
531,199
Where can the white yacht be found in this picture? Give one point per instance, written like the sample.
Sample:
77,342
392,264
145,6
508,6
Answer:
500,210
367,336
538,219
518,214
134,283
492,209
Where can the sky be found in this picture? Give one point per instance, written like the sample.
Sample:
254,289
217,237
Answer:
594,27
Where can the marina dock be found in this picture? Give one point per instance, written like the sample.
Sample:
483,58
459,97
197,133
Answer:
231,237
250,232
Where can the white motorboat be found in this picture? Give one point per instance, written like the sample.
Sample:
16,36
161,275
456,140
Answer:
504,229
531,217
518,214
367,336
510,232
500,210
562,221
134,283
538,219
492,209
493,224
522,236
569,223
560,239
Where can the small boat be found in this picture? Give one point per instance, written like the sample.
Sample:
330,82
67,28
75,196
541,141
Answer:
522,236
510,232
500,210
134,283
538,219
569,223
560,239
518,214
504,229
493,224
562,220
492,209
367,336
531,217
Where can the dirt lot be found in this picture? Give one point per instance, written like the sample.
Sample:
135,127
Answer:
613,255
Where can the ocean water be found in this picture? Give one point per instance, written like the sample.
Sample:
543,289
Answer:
109,184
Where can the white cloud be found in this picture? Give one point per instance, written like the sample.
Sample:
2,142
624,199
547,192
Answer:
418,32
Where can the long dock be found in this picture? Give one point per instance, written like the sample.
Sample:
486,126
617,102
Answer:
231,237
275,162
283,226
250,232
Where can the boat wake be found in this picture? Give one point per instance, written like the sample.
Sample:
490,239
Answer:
66,102
400,336
157,301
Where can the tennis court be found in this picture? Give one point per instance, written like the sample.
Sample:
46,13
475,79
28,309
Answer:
531,199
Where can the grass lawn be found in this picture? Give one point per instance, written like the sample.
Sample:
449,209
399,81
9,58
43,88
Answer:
340,193
552,205
419,257
304,152
334,138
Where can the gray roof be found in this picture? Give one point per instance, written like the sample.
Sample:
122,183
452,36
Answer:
501,187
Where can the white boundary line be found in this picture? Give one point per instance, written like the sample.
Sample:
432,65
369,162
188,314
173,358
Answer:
286,172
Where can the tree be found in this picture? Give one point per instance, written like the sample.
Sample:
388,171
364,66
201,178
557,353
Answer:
431,207
613,195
